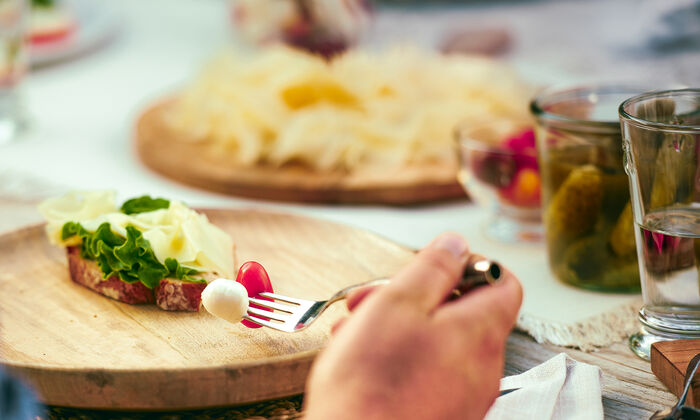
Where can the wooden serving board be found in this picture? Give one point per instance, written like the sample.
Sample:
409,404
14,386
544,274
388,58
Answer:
669,360
81,349
195,163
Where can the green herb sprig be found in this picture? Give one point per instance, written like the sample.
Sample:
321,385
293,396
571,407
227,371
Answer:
144,204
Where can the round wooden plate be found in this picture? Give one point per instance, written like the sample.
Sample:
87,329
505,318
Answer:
81,349
193,163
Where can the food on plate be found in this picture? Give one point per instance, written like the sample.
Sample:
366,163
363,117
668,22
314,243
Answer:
50,21
357,112
254,278
146,251
325,27
228,299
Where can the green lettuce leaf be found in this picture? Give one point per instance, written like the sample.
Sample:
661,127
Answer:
144,204
181,272
131,259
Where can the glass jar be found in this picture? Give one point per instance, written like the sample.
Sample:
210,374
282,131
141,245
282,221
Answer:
586,206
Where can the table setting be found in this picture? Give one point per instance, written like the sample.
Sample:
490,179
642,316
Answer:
331,142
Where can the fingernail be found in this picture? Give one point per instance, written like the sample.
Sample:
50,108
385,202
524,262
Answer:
453,243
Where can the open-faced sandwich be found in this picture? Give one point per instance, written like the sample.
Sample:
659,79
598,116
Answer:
149,250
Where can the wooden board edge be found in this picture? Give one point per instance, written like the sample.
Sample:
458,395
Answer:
241,385
333,193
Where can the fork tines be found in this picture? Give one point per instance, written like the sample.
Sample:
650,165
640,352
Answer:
282,310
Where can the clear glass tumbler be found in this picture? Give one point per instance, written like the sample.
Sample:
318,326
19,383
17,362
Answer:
13,66
585,193
661,132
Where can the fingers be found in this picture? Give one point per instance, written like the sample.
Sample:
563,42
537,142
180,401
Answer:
356,296
496,305
430,277
337,326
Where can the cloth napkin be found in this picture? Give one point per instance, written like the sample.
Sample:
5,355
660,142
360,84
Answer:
560,388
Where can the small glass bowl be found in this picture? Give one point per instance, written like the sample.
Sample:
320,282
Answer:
499,170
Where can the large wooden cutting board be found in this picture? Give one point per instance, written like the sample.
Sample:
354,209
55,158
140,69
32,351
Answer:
80,349
195,163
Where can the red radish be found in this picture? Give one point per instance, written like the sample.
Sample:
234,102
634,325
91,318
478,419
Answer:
254,278
521,141
49,36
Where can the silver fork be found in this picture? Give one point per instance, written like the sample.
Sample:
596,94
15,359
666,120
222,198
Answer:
291,314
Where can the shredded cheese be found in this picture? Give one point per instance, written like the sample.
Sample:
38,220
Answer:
395,108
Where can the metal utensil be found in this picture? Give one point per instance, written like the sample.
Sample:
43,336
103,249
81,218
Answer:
681,411
507,391
291,314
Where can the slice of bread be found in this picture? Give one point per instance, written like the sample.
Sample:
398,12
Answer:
88,274
178,295
170,294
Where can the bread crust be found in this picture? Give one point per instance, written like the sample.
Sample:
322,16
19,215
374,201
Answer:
178,295
170,295
87,273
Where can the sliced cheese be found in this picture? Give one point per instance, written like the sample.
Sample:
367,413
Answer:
176,232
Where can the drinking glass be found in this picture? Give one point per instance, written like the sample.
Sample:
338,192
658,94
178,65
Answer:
585,193
661,133
13,66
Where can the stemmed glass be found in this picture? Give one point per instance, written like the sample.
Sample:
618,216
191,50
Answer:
498,169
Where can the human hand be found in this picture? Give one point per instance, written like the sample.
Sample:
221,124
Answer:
406,353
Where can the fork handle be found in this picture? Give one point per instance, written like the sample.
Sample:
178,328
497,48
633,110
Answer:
478,272
344,293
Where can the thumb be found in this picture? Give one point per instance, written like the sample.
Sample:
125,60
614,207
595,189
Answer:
430,277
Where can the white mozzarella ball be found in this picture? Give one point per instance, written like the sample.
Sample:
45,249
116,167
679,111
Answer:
226,299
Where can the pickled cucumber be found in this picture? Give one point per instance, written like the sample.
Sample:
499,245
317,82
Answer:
674,172
584,261
622,235
622,274
588,218
588,263
575,207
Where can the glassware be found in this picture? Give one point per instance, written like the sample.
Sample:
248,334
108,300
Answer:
498,169
13,66
585,193
661,132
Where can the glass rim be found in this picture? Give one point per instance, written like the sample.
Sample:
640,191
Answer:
483,146
644,123
538,111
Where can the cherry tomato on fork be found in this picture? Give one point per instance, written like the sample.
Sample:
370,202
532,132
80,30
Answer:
254,278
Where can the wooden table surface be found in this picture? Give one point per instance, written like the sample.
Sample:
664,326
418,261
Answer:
630,390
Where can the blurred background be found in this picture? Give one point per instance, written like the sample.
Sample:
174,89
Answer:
120,56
